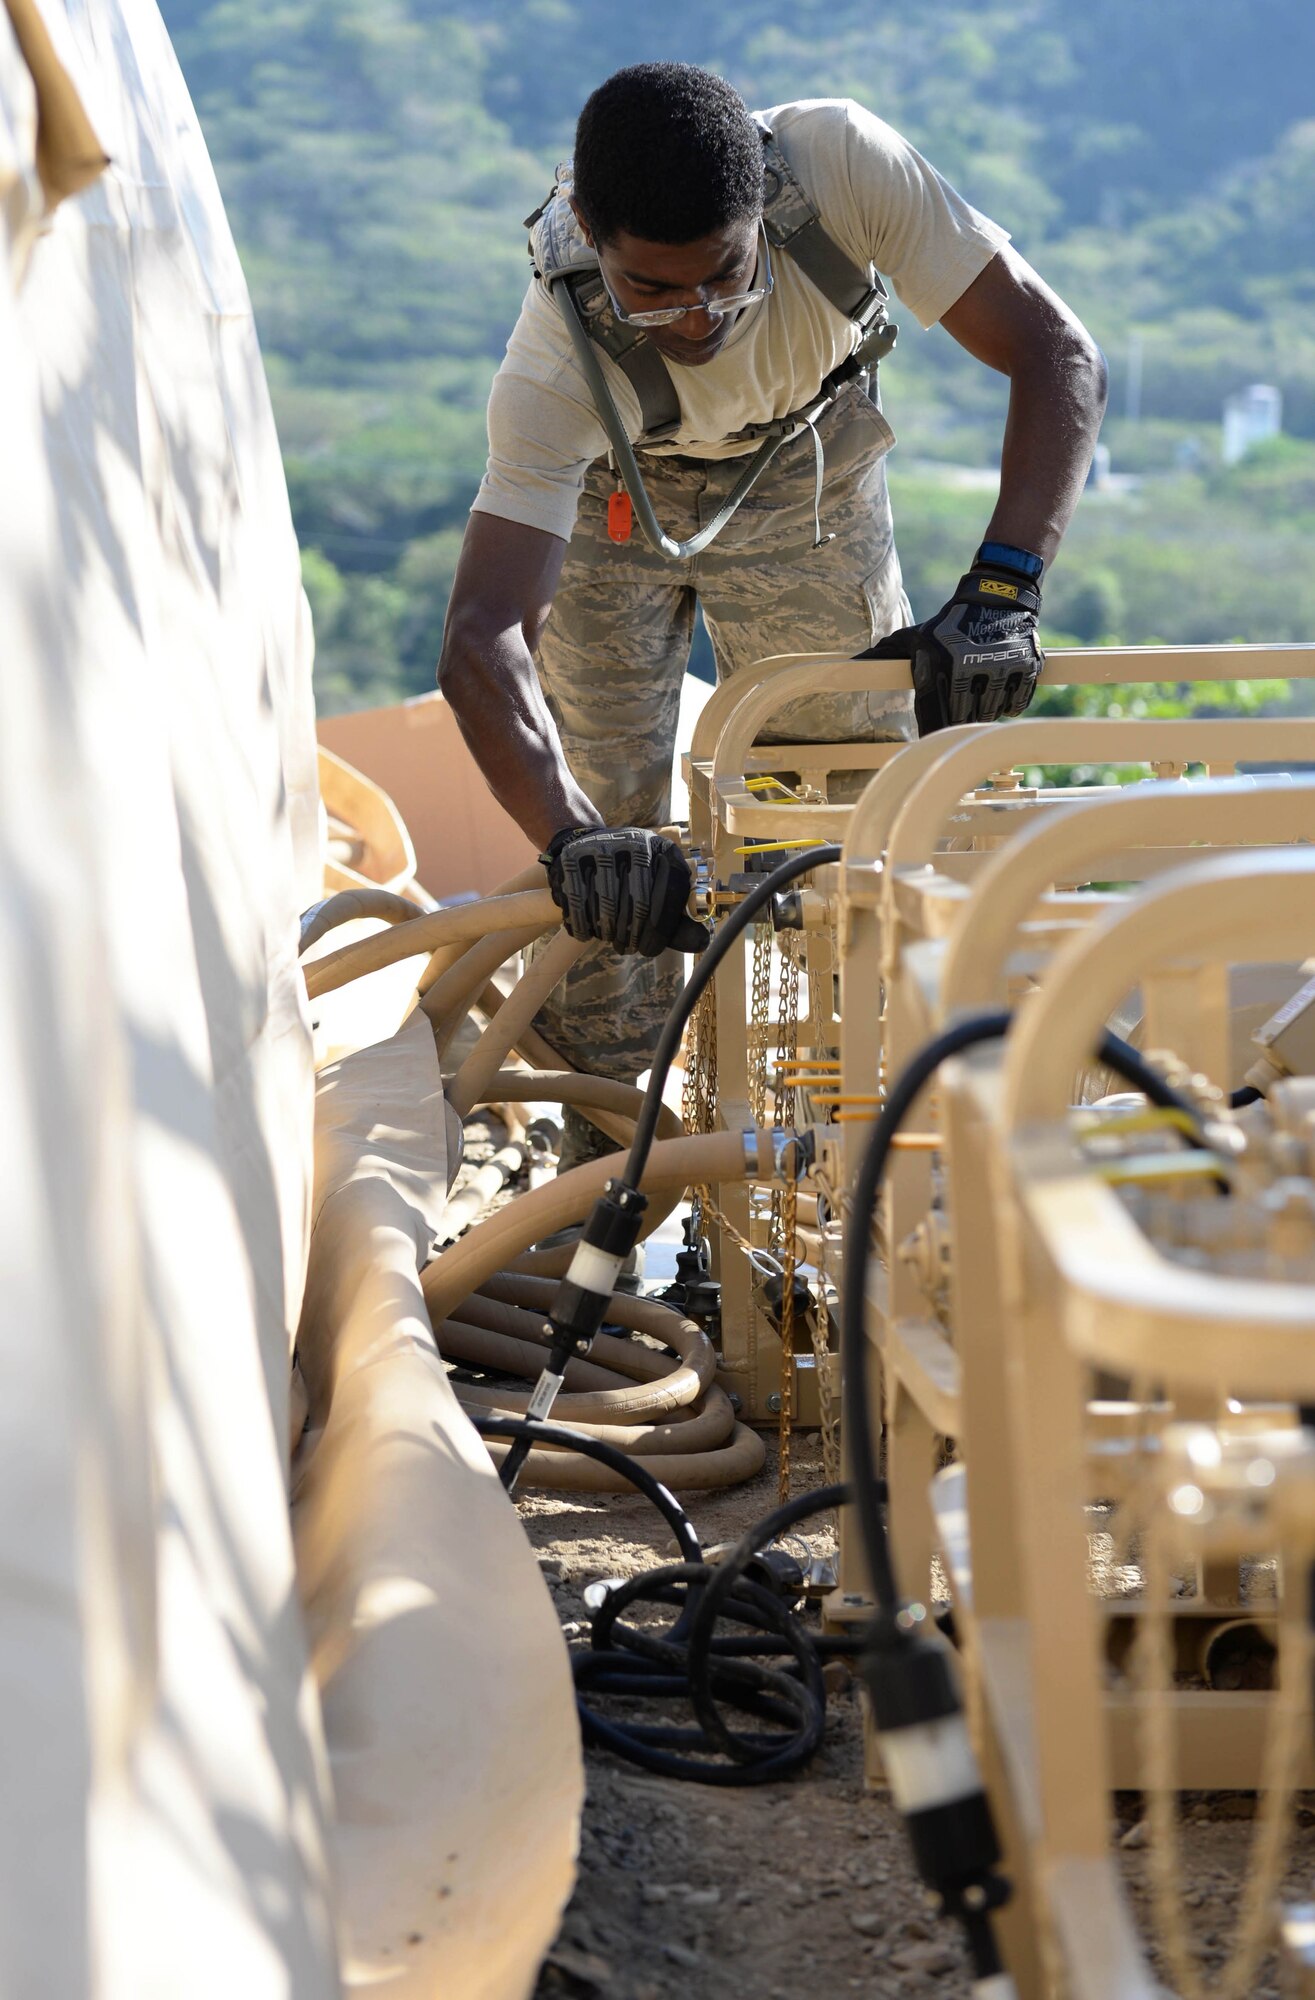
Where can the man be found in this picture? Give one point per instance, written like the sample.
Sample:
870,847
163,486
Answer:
565,644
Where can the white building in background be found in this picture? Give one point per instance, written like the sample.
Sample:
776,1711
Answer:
1250,415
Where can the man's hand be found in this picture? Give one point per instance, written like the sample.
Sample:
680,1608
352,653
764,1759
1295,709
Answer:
625,886
978,659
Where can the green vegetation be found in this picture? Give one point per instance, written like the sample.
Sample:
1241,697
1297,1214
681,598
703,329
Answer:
377,157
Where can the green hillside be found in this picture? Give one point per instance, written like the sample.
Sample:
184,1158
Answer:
377,160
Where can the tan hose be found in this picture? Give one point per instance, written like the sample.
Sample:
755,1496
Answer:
625,1309
539,979
349,905
529,1042
449,999
461,923
469,1203
672,1163
625,1403
627,1360
703,1427
616,1104
477,1346
700,1471
669,1390
448,954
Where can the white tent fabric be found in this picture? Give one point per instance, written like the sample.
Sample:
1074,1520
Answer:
164,1818
447,1694
166,1825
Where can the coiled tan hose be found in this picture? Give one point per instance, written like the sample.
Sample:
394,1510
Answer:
673,1164
450,997
695,1441
477,1264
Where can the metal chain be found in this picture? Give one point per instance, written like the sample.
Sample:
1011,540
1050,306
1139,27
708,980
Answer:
784,1211
789,1200
760,992
787,1047
825,1362
699,1097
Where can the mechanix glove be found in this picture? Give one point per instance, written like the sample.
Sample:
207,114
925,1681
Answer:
624,885
978,659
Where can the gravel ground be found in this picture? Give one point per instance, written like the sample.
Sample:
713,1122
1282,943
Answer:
778,1890
696,1891
806,1886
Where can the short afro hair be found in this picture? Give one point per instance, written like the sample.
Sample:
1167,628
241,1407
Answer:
667,152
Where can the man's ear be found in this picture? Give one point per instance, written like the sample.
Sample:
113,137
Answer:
584,226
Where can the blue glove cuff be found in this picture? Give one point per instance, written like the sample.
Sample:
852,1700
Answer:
1003,555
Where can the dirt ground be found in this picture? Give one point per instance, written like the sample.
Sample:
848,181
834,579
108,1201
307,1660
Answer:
695,1892
804,1887
691,1890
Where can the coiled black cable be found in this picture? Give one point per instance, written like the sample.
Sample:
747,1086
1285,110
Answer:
690,1659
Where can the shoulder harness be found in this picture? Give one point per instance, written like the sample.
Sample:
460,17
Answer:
793,226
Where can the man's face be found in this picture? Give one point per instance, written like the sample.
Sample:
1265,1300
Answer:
649,277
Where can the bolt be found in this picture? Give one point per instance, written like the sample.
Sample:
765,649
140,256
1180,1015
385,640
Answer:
774,1404
737,1401
974,1897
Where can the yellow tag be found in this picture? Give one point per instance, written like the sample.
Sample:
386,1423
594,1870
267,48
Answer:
990,588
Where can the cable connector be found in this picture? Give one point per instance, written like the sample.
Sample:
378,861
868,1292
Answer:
580,1306
609,1236
931,1766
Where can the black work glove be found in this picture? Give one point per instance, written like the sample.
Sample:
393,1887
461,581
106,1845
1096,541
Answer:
624,885
978,659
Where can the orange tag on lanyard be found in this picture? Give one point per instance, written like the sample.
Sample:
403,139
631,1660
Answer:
620,515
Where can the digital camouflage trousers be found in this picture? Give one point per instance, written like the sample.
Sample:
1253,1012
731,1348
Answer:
615,647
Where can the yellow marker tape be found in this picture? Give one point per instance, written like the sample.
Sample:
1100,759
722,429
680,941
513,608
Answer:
1154,1119
903,1142
773,846
854,1097
1159,1168
762,784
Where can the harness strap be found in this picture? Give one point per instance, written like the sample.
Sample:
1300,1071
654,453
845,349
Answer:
793,224
636,357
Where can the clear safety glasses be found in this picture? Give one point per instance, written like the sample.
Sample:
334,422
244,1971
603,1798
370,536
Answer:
715,304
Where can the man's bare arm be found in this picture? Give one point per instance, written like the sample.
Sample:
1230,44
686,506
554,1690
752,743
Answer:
501,596
1011,320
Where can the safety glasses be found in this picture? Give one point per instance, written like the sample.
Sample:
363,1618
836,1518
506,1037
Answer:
715,304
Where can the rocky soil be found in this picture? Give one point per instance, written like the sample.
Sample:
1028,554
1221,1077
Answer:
690,1892
804,1887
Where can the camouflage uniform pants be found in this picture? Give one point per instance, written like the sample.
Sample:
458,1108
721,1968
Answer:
614,652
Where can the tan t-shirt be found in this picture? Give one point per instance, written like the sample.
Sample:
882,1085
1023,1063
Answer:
881,202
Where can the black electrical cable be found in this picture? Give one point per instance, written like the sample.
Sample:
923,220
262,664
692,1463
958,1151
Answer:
642,1480
954,1842
731,927
1246,1093
991,1025
689,1660
614,1222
